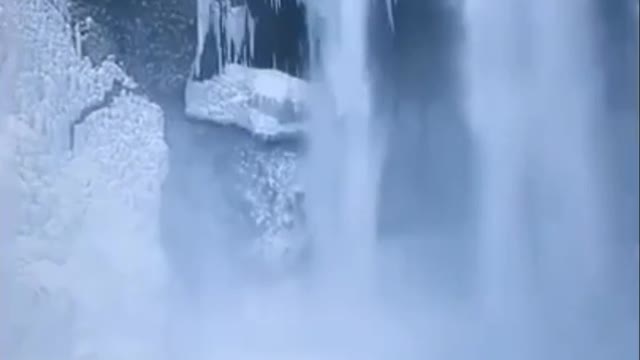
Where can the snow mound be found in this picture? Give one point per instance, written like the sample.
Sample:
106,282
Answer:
265,102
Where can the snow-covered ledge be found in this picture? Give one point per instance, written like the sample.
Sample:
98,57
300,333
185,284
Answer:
266,102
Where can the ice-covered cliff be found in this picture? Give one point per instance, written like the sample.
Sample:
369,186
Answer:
82,274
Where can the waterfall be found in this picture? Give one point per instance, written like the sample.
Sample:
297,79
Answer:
499,227
344,165
533,101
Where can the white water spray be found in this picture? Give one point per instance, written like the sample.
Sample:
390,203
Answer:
497,113
345,165
533,101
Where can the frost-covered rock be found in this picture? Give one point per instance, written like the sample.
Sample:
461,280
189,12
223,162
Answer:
8,59
265,102
83,273
55,83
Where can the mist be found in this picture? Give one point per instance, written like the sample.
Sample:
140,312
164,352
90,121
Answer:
461,181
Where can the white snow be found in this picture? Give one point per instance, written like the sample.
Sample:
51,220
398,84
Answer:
265,102
49,67
81,273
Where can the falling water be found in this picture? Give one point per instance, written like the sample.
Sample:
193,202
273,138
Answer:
344,165
497,114
532,106
545,281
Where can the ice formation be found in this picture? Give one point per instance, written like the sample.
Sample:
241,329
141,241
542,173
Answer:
251,24
42,79
233,23
265,102
204,22
92,210
275,4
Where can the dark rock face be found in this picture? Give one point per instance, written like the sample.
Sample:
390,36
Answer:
426,188
155,40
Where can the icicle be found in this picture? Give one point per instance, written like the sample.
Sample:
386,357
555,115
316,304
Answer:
246,46
204,23
235,29
275,5
228,36
78,38
237,25
274,61
252,33
217,15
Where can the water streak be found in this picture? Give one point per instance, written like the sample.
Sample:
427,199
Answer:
344,160
533,101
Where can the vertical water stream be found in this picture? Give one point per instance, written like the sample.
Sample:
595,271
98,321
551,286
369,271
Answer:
345,160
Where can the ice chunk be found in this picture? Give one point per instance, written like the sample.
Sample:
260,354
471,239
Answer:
266,102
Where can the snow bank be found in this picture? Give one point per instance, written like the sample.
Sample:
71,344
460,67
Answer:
265,102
